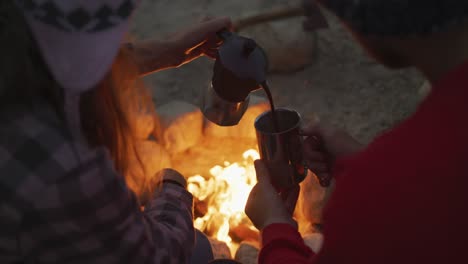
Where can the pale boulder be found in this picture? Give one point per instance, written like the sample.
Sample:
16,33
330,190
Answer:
220,249
425,89
314,241
150,158
181,126
143,125
247,253
312,199
289,48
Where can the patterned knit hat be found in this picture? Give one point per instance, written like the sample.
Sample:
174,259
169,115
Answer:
399,17
78,39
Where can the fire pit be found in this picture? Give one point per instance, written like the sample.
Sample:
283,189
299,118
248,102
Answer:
218,164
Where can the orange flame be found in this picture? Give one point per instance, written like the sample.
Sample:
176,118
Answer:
226,194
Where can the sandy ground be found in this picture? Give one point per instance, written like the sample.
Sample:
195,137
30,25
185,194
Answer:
342,86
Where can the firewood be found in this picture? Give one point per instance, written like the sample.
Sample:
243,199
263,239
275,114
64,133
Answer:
200,208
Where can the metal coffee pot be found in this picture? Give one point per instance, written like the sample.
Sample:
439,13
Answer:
240,68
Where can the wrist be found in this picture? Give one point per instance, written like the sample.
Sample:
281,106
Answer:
280,220
153,55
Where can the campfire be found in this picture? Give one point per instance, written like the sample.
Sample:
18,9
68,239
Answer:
218,164
221,198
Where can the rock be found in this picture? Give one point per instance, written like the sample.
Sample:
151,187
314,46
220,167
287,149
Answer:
247,253
425,89
314,241
181,125
220,249
143,125
288,47
152,158
312,199
245,128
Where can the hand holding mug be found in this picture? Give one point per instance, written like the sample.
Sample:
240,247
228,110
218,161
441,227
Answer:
265,206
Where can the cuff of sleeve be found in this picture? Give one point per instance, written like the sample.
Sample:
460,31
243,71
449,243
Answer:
171,175
284,244
280,231
176,191
173,193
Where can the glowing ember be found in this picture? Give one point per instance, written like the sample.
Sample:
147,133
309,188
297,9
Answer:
226,194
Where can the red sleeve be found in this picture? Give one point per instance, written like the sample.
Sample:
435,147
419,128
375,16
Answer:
282,243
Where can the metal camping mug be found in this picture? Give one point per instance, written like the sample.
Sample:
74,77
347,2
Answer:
282,150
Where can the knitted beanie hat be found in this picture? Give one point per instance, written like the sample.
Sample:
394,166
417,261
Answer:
399,17
78,39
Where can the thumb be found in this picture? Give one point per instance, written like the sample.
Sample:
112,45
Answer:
261,171
263,176
312,127
215,24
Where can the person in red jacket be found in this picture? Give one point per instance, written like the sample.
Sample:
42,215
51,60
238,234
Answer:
402,198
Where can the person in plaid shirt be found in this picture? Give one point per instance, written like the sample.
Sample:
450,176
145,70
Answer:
62,196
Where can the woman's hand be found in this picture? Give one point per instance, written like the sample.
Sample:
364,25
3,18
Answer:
323,146
180,48
201,39
265,206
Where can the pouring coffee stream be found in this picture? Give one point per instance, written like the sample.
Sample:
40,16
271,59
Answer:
239,70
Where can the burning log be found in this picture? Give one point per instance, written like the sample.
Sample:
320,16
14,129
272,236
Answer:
200,208
214,224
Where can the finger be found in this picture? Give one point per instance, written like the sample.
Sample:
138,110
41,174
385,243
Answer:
314,156
312,130
211,52
262,171
263,178
318,167
324,179
207,18
313,142
216,24
249,206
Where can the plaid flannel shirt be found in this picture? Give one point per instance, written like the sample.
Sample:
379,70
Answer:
64,203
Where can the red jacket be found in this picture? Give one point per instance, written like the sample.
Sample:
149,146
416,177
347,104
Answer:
402,200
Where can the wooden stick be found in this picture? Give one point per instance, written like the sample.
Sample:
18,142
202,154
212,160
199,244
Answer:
267,16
